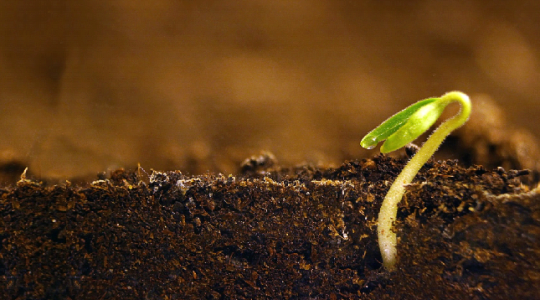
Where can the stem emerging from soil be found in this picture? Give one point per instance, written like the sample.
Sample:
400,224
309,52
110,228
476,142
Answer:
387,215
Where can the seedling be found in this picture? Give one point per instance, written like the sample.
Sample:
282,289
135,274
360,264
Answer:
396,132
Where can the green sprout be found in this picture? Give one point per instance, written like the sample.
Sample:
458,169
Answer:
396,132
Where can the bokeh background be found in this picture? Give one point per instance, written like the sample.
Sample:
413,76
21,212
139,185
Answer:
91,85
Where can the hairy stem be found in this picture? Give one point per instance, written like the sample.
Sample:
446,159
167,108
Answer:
388,212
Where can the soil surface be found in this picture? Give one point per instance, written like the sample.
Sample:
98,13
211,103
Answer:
272,233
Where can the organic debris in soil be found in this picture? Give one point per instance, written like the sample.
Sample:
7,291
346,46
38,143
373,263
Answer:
299,233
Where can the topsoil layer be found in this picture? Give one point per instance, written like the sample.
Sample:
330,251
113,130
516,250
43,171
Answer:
274,233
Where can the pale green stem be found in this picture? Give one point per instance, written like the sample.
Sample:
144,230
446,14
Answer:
388,212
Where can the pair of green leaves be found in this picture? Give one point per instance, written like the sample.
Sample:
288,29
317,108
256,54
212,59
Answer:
405,126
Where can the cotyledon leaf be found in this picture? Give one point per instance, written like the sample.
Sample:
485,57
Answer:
393,124
418,123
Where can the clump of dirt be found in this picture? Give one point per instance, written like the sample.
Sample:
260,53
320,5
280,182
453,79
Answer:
272,232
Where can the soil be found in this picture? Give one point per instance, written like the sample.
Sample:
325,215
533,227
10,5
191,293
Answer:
272,232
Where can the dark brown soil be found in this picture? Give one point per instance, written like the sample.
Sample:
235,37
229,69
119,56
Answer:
272,233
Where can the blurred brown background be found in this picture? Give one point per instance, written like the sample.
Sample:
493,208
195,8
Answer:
91,85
